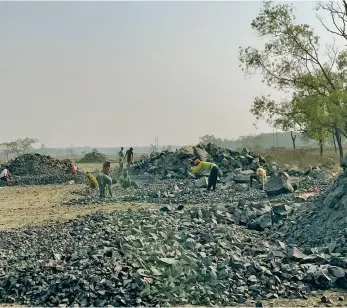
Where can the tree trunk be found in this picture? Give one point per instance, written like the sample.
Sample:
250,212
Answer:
293,140
334,142
321,148
339,142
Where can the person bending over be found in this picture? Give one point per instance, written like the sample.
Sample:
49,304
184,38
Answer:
5,174
104,182
204,165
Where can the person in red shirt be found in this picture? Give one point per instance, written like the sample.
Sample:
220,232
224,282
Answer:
74,169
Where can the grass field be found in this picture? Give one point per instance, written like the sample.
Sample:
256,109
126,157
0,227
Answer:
302,157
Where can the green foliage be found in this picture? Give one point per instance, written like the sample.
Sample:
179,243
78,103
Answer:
292,61
19,146
260,141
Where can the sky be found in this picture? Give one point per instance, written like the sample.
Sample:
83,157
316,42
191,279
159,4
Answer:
122,73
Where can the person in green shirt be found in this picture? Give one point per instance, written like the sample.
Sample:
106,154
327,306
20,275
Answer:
205,165
104,181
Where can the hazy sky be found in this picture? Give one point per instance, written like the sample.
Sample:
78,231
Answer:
121,73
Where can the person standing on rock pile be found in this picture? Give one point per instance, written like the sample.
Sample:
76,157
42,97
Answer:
260,177
121,158
129,154
205,165
5,174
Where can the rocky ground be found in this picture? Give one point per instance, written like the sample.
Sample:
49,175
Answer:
177,244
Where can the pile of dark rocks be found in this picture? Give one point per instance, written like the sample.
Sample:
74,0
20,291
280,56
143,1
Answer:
195,256
177,164
322,223
251,206
93,157
37,169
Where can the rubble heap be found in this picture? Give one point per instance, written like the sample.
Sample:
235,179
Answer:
321,223
148,258
37,169
177,164
93,157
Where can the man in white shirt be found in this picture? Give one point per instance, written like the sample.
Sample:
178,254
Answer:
5,174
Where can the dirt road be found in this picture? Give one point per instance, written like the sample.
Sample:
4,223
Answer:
35,205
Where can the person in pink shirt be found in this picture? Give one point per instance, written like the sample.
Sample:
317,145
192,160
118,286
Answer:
74,169
5,174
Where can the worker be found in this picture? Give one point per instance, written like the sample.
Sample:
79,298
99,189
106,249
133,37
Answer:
104,182
121,158
73,169
204,165
106,167
5,174
92,182
129,156
125,180
260,177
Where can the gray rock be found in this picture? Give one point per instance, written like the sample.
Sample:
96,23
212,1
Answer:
261,223
295,253
241,187
202,182
276,186
201,154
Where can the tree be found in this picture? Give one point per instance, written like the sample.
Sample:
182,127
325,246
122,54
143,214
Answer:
7,148
338,14
291,62
26,144
207,139
19,146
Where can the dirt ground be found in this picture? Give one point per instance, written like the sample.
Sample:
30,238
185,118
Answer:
37,205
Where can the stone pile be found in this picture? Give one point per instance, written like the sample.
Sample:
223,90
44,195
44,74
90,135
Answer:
321,223
37,169
93,157
251,207
177,164
148,258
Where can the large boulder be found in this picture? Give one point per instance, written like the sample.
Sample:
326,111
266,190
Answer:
261,223
243,176
185,152
201,153
277,186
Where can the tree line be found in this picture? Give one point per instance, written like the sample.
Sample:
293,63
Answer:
264,141
18,147
311,76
